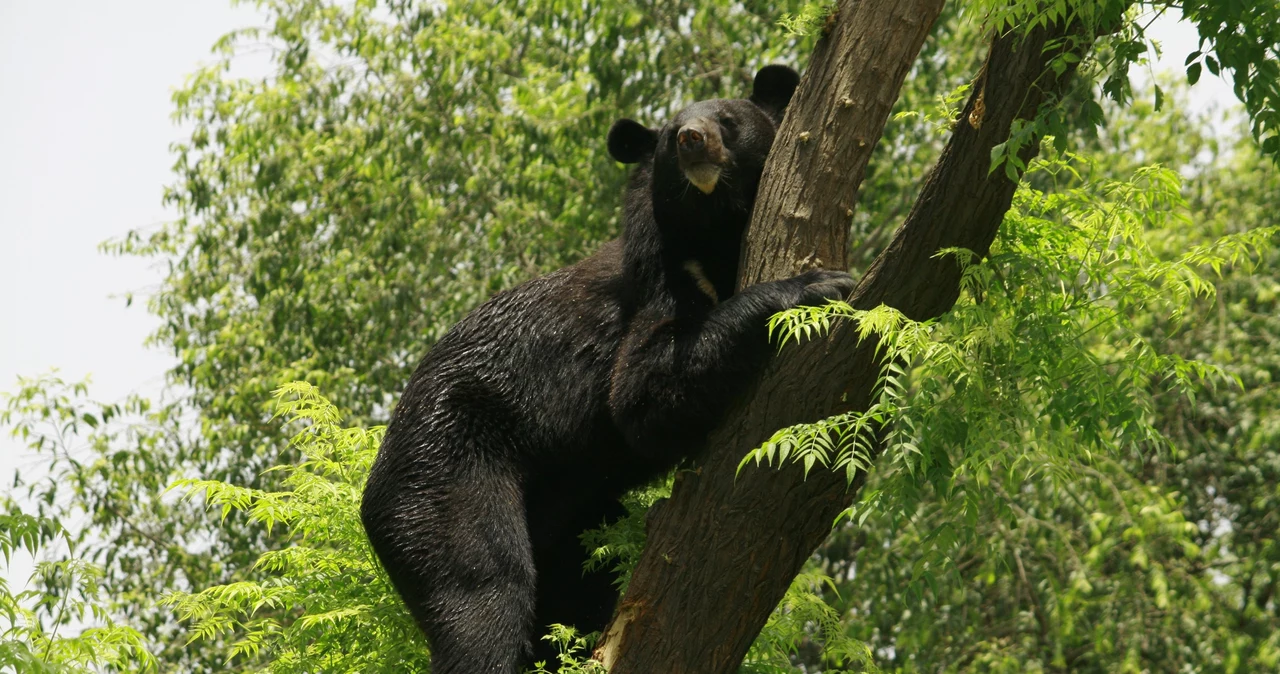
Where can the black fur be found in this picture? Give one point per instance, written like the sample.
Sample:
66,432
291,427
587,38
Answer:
527,421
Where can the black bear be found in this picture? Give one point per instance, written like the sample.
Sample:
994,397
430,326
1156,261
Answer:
525,423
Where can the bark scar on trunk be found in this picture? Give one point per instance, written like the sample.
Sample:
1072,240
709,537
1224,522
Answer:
610,641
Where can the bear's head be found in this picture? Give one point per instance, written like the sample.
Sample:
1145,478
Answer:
712,153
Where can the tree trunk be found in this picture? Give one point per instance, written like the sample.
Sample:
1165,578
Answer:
724,548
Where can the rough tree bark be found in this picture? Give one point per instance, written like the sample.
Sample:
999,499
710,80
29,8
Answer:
723,549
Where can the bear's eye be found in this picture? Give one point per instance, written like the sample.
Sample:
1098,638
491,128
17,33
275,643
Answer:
729,123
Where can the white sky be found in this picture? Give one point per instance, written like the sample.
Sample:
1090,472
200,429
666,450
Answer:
84,136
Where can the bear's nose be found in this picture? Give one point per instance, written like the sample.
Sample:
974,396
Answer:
691,139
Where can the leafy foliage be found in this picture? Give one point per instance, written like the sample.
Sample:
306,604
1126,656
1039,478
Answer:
106,468
617,545
1070,269
809,19
42,630
1239,37
574,653
1082,507
325,602
804,620
1243,38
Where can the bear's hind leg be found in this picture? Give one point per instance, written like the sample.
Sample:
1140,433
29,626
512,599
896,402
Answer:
458,552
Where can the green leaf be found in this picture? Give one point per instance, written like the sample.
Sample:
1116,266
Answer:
1193,73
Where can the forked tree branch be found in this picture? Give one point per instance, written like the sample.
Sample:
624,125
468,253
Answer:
723,549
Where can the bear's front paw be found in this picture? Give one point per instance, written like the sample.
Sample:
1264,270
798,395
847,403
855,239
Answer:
821,285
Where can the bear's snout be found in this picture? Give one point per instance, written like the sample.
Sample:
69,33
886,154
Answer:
691,139
701,152
699,142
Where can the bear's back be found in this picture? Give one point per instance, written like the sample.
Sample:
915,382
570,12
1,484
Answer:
530,364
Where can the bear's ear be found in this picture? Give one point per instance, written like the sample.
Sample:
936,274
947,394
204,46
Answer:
773,88
630,141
